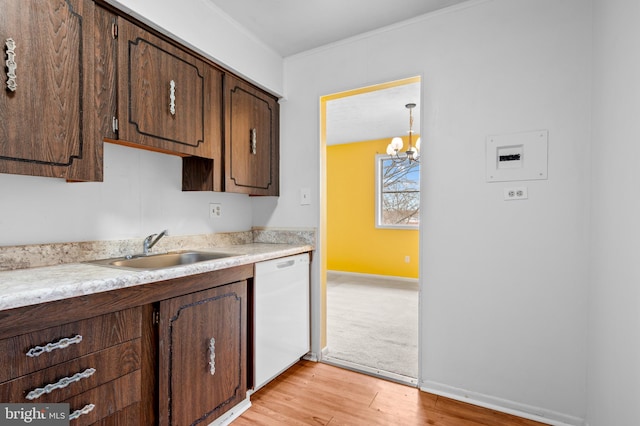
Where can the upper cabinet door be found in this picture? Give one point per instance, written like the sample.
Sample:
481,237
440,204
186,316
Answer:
169,100
251,139
46,102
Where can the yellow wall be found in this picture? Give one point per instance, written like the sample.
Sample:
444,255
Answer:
354,244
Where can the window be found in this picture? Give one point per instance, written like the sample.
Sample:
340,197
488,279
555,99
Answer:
397,193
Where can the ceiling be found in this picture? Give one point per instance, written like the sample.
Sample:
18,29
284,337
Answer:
294,26
374,115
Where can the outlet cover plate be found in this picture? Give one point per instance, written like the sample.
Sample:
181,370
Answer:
215,210
516,193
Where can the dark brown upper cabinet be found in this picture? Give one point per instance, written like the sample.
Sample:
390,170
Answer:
76,74
251,145
251,139
168,99
48,125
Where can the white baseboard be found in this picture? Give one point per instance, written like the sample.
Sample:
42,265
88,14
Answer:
359,274
232,414
323,353
311,356
503,405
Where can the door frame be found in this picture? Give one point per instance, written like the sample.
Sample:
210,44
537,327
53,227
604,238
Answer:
319,295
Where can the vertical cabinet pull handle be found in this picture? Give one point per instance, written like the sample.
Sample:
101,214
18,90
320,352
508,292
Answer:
172,97
254,141
84,410
61,344
60,384
11,64
212,356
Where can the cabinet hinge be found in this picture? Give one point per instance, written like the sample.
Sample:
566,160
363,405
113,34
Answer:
114,30
156,317
114,125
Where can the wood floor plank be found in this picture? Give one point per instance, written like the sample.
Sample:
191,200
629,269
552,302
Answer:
315,394
295,413
404,401
481,415
315,403
260,415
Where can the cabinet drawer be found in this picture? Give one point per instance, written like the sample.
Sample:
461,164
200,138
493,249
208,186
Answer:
96,334
130,416
107,399
86,373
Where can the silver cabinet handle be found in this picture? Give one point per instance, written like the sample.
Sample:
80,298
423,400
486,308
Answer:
11,64
172,97
62,383
84,410
212,356
61,344
254,141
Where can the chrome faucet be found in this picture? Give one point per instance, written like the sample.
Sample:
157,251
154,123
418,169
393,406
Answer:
151,241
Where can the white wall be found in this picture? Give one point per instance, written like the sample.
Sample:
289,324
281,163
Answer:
614,322
141,193
504,311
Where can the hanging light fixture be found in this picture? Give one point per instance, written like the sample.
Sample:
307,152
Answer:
395,146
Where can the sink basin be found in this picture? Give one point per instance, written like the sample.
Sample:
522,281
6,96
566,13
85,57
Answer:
162,261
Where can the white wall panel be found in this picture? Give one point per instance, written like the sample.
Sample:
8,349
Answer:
141,194
504,303
614,309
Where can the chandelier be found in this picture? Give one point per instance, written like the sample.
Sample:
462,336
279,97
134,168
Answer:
394,149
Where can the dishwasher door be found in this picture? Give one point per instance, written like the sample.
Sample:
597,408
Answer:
282,320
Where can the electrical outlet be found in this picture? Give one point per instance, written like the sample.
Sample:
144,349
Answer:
517,193
407,259
215,210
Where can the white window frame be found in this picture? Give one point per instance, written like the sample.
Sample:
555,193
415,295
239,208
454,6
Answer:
378,207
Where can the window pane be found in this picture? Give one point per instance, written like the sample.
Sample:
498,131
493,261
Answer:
399,193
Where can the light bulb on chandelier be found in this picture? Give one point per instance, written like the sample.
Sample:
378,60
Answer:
395,146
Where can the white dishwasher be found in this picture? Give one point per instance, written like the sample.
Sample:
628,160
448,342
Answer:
281,319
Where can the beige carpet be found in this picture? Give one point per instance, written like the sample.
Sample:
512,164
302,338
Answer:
373,322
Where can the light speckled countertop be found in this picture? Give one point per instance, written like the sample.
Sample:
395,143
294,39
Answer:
31,286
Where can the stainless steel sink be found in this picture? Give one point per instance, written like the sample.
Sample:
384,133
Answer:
161,261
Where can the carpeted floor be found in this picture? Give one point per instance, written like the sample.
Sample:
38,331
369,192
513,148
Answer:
373,322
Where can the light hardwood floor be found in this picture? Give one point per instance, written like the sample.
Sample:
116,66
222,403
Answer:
311,393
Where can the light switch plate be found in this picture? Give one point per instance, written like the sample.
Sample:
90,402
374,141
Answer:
305,196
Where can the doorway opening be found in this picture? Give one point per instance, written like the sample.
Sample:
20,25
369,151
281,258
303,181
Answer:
370,230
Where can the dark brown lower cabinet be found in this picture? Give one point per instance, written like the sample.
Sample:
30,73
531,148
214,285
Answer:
172,352
202,354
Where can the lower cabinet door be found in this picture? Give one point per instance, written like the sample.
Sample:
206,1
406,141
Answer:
202,350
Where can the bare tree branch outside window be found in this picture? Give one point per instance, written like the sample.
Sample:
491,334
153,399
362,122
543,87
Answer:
398,197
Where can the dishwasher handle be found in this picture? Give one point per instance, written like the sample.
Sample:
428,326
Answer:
287,264
283,264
